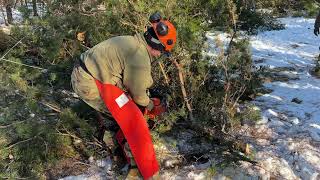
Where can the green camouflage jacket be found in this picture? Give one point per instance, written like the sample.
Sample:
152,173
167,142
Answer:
123,61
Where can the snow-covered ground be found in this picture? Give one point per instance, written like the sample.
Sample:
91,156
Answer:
287,140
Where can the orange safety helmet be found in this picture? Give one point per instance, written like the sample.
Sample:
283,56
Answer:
162,35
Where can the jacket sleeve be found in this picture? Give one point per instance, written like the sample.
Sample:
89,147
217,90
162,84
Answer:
317,22
137,79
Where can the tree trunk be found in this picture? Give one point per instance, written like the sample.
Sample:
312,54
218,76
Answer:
249,4
253,5
34,7
4,17
9,13
15,4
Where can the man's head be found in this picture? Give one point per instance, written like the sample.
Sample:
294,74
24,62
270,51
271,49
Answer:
161,36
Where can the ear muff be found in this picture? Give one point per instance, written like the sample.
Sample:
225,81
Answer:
162,29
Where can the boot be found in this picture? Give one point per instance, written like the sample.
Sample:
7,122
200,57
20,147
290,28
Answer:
156,176
134,174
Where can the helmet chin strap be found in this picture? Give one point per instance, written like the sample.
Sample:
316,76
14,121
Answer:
166,54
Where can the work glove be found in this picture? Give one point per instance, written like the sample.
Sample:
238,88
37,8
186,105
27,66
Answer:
316,31
158,109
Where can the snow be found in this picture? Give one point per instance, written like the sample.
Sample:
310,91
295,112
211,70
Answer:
276,48
287,137
212,38
294,153
99,170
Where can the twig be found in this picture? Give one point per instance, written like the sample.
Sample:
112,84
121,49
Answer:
197,158
197,14
22,64
84,46
68,134
164,73
234,24
232,144
20,142
3,177
6,126
46,144
130,24
82,163
242,90
57,109
96,144
2,58
65,48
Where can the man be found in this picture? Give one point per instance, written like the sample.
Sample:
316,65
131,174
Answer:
124,62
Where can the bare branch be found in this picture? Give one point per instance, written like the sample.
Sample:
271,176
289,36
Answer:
12,48
35,67
12,124
51,106
20,142
164,73
183,89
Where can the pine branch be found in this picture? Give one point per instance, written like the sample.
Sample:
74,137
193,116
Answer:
231,142
49,105
5,54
